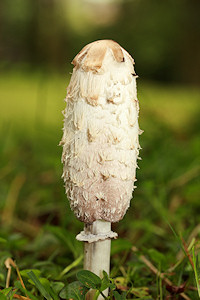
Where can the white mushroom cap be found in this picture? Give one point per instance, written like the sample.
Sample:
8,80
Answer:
100,138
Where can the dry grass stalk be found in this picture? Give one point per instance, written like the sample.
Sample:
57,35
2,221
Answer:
9,263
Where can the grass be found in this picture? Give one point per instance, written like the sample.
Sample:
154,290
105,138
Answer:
157,253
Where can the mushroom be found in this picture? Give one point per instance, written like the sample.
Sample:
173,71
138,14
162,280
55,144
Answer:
100,144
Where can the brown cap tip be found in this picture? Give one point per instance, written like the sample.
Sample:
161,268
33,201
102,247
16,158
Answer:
94,54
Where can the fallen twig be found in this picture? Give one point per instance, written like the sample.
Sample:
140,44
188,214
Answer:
16,296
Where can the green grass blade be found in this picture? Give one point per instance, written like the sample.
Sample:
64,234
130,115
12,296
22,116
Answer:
176,236
72,265
195,271
38,284
25,291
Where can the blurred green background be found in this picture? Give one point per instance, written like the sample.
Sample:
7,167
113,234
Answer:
163,36
38,40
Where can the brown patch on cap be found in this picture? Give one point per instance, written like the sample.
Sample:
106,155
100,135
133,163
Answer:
94,54
93,100
90,136
105,177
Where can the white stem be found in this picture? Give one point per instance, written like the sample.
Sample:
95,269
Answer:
97,254
97,238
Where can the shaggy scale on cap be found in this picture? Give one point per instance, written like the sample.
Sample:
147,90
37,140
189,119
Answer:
100,134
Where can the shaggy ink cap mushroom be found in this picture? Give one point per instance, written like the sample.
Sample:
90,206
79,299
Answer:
100,134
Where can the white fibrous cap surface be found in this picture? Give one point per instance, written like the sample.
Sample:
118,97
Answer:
100,134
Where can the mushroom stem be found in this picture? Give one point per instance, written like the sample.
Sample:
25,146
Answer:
97,249
97,254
